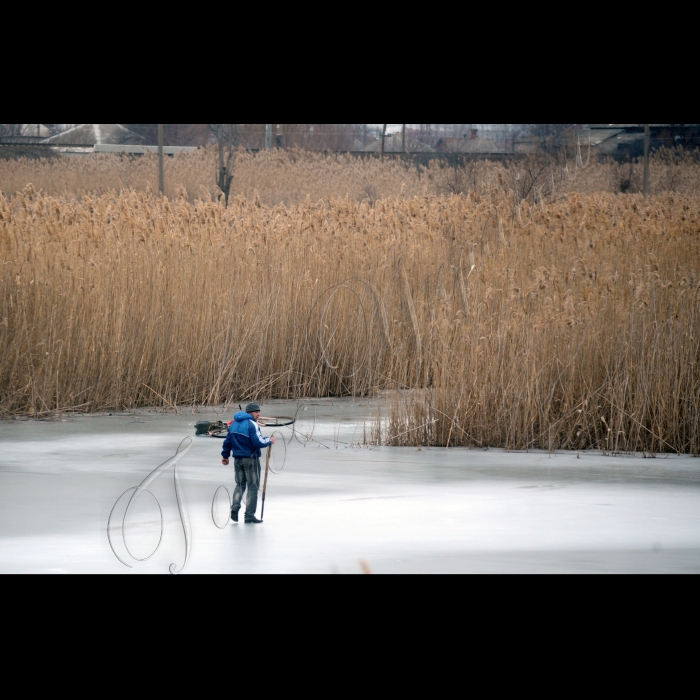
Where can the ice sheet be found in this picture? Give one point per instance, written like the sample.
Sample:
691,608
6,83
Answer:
400,510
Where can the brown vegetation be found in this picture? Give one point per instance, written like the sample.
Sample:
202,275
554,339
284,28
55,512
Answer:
290,176
569,322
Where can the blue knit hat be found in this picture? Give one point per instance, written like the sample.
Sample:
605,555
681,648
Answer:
252,407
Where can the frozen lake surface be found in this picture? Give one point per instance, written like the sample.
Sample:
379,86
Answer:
334,504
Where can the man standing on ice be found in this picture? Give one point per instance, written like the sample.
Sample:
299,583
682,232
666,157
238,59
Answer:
244,439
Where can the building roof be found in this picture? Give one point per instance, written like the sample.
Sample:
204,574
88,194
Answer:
628,138
608,140
93,134
597,136
624,126
393,144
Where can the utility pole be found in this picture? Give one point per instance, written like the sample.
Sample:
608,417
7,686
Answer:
222,168
161,179
403,138
268,137
646,160
381,152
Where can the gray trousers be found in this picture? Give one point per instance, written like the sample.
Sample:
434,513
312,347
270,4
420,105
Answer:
247,476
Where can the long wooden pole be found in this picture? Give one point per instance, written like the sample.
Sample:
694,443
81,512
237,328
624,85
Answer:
267,468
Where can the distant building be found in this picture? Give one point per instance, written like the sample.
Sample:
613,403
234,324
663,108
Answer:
92,134
500,133
628,139
394,143
23,133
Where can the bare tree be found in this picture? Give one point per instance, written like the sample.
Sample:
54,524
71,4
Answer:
530,178
228,139
459,175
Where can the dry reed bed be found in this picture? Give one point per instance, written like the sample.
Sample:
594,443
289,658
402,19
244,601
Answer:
290,176
572,324
275,176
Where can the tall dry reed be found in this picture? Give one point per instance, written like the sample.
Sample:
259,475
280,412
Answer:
290,176
568,324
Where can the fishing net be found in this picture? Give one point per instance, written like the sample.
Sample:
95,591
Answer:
219,429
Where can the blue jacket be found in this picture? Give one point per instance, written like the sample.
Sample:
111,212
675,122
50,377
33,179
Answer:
244,438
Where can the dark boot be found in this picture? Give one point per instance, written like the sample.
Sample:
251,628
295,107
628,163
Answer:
234,516
252,519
